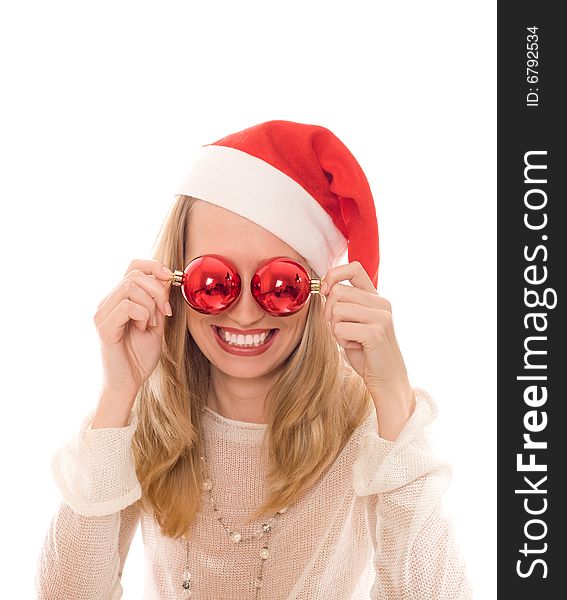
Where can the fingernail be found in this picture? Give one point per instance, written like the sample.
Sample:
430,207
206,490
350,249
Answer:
168,310
168,271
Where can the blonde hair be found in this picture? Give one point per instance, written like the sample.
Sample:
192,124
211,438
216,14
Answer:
312,408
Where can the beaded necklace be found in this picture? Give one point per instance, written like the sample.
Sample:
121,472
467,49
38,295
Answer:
260,531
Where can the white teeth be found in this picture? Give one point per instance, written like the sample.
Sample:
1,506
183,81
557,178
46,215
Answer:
243,340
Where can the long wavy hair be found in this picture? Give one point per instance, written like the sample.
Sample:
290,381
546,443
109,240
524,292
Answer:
312,408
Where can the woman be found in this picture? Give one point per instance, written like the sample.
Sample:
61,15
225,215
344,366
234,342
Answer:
265,433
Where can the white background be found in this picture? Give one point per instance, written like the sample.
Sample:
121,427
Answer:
101,106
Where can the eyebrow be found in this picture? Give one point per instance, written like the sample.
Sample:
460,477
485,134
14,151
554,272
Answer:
291,257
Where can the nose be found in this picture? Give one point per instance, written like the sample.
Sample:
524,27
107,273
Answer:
246,311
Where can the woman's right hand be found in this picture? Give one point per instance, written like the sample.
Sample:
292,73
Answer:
130,324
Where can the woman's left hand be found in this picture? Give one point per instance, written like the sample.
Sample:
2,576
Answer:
361,321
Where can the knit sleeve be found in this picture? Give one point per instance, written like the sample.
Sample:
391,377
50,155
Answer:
416,555
95,471
85,548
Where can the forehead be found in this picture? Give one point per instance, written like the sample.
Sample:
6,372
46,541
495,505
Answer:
216,230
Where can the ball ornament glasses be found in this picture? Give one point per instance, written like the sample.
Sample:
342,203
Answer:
211,284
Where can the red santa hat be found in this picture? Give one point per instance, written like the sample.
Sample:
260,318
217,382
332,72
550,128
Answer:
298,181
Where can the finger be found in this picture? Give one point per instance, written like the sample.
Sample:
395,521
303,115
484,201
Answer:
150,267
344,293
370,335
111,329
355,313
158,290
355,332
131,289
353,272
343,341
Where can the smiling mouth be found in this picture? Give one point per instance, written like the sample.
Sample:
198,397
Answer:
244,341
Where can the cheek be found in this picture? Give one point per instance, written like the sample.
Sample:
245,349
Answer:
298,324
193,321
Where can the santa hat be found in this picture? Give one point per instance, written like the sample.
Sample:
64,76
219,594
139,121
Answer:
298,181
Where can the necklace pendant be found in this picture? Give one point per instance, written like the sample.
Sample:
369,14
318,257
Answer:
187,584
235,536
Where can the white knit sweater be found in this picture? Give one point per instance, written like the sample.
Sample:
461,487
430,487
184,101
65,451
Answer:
372,527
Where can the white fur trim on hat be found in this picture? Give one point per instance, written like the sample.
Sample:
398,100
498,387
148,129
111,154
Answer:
254,189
